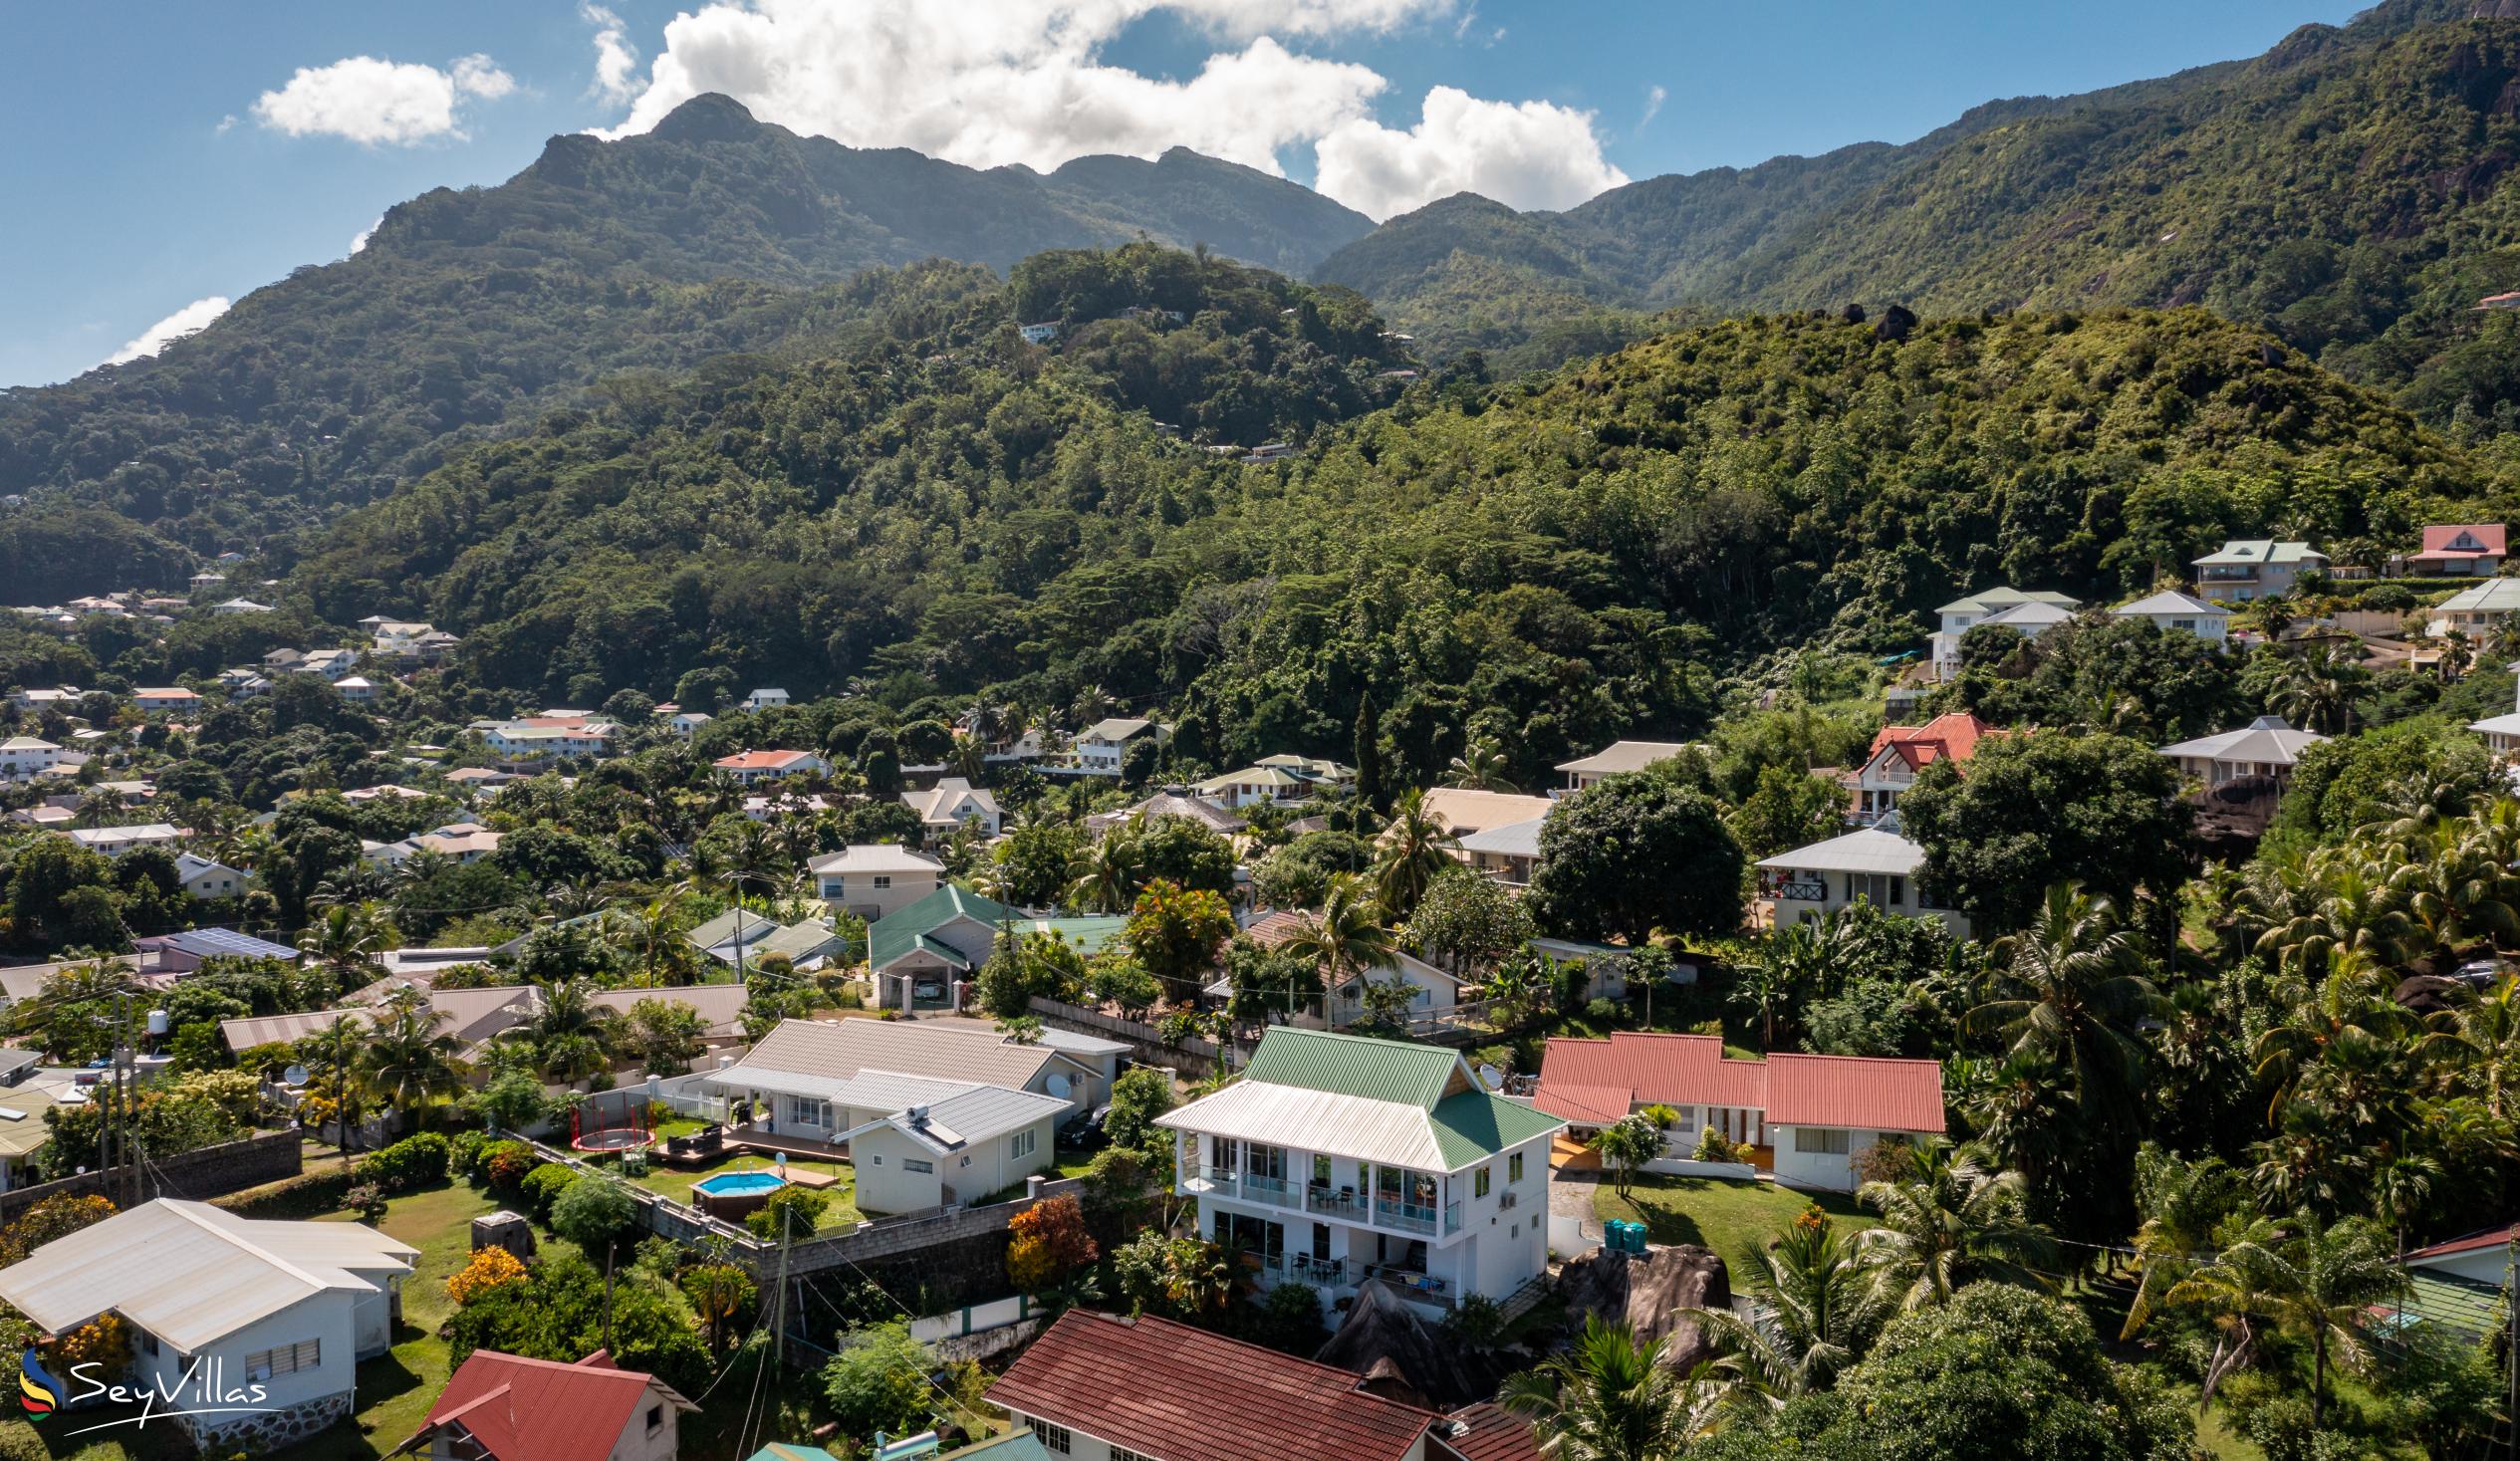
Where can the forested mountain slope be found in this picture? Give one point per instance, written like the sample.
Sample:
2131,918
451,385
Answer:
470,310
2349,189
1546,564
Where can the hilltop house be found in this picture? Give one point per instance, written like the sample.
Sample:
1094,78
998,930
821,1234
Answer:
2039,610
63,699
873,882
291,1307
164,699
506,1407
1463,812
233,606
1899,752
765,697
1255,786
1343,1161
1617,758
750,767
2460,550
1812,1115
187,949
2501,732
2246,569
1170,802
2181,613
1103,1387
2265,747
1870,864
952,803
738,936
114,842
1101,746
1506,854
1039,332
1314,768
23,757
539,736
2475,612
1431,988
208,879
463,841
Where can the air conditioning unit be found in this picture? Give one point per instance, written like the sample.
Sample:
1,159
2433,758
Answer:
1506,1201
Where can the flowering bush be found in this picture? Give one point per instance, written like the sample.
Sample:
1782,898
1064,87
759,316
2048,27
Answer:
491,1267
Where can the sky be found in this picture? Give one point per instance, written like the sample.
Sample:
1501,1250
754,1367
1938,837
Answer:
164,157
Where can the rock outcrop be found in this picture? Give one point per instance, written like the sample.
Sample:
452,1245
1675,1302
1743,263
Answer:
1648,1293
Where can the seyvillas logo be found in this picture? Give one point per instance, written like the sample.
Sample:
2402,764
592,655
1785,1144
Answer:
37,1389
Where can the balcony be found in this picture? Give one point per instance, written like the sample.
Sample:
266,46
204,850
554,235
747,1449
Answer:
1271,1190
1451,1218
1342,1203
1205,1180
1320,1273
1408,1217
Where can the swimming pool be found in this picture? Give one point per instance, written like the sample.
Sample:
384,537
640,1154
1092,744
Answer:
733,1195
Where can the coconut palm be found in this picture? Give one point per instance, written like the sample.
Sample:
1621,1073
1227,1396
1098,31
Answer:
409,1062
1947,1220
1813,1308
969,758
2183,1202
2314,1280
1102,874
1413,848
2316,689
1348,936
2073,994
572,1037
345,939
1481,767
331,1059
2351,1010
1611,1398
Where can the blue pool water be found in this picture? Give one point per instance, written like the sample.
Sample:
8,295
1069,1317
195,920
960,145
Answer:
727,1184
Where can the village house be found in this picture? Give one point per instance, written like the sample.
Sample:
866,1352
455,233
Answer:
23,1129
1869,864
873,882
1255,786
22,757
2459,551
1168,802
765,697
1616,759
1463,812
63,699
921,955
472,1018
165,700
208,879
1040,333
2027,611
739,937
539,737
234,607
202,581
1318,770
505,1407
1343,1161
464,841
687,723
1900,751
751,767
1104,1388
2266,747
2501,732
2181,613
358,689
951,805
2481,1258
185,950
2476,612
114,842
1507,853
291,1307
1431,989
1811,1116
2248,569
1101,746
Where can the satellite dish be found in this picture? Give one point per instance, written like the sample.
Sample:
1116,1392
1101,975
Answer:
294,1075
1491,1078
1058,1085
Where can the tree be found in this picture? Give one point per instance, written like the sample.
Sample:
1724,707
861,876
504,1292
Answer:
1367,751
1045,1242
1175,932
1415,848
1817,1309
594,1213
1467,922
719,1291
1634,854
1347,937
1789,809
1946,1220
877,1381
2313,1280
665,1035
409,1062
1626,1146
1137,1097
2070,991
1613,1398
2034,811
332,1057
1267,981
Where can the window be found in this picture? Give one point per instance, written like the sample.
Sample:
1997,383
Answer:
1022,1143
1054,1438
1479,1183
966,1161
1514,1168
1820,1141
286,1359
148,1343
878,1160
1122,1453
882,881
913,1164
806,1112
655,1419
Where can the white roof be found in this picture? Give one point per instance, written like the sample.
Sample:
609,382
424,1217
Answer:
1514,840
2170,601
191,1273
1252,776
1621,756
2004,597
1114,728
2507,724
980,1113
2029,616
2495,596
27,743
1869,851
2266,740
189,865
144,832
2252,550
874,857
1392,1132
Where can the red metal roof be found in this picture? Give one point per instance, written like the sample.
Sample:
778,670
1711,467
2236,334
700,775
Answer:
523,1409
1271,929
761,760
1954,734
1167,1390
2437,538
2488,1237
1581,1081
1488,1431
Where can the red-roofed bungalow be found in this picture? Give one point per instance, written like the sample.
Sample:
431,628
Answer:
506,1407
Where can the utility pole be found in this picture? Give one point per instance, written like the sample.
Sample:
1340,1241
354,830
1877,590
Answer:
779,1305
608,1297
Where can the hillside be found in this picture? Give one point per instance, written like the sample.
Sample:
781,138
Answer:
2349,190
471,311
1548,564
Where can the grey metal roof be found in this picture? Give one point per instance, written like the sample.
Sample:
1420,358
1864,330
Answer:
211,944
2170,601
2265,741
1513,839
1621,756
1868,851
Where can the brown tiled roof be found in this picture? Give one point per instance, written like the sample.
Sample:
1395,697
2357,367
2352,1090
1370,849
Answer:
1167,1390
1488,1432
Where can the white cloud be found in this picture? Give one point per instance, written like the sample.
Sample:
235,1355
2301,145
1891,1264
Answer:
615,59
360,240
174,327
988,83
372,101
1528,154
1654,97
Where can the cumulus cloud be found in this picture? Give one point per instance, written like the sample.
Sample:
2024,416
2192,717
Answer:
1526,154
359,239
372,100
174,327
987,83
615,59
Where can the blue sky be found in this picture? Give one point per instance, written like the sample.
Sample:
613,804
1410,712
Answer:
142,178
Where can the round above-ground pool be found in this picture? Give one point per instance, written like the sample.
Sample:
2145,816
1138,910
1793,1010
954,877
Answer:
735,1195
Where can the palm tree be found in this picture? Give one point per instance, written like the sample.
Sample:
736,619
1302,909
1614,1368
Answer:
2023,1109
969,758
409,1062
1626,1146
1348,936
571,1035
2074,996
1813,1309
331,1056
2314,1280
1103,875
1411,851
1480,767
2316,690
1611,1398
653,932
343,940
1789,961
1947,1220
2183,1202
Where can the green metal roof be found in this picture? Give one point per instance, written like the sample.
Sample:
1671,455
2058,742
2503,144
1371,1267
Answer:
1472,1124
1353,1065
890,937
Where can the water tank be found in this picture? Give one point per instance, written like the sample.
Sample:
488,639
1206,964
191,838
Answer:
157,1023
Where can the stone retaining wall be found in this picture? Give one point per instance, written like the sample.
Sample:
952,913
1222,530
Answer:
211,1171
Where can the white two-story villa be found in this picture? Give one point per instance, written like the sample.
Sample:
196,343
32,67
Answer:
1340,1162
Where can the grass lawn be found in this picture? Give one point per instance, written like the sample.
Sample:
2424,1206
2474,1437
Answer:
1733,1218
676,1182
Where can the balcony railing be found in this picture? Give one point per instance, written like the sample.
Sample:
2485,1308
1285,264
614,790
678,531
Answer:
1205,1178
1320,1273
1337,1202
1271,1190
1408,1217
1452,1218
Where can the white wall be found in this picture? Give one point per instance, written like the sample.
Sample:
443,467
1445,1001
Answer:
887,1185
326,1318
2483,1265
1826,1170
857,894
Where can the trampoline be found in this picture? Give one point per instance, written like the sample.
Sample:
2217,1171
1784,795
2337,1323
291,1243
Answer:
632,1135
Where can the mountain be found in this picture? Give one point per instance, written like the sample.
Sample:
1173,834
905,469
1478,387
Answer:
2349,189
469,311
